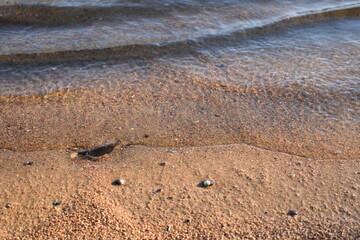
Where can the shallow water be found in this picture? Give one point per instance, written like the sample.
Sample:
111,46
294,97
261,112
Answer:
282,75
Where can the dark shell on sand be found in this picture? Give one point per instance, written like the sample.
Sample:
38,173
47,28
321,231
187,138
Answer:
99,150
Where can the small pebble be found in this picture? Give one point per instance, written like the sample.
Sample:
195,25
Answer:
8,205
168,228
118,182
73,155
56,203
28,163
187,221
162,164
208,183
293,213
157,191
292,176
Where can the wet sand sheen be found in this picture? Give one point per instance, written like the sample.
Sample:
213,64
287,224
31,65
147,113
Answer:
168,115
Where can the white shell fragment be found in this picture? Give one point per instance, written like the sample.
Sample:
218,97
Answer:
208,183
73,155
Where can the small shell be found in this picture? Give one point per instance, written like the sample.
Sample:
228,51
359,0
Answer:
157,191
73,155
293,213
208,183
118,182
99,150
56,203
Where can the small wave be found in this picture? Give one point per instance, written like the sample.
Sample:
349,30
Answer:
44,15
179,47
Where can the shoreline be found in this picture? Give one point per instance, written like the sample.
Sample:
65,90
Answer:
179,120
168,115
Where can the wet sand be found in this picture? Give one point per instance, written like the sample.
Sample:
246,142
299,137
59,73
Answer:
172,113
254,191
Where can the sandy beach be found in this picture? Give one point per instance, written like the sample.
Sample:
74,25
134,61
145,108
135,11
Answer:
258,99
253,193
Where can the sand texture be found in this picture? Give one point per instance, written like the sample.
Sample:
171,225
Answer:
162,199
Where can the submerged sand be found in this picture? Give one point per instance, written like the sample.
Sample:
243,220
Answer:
254,190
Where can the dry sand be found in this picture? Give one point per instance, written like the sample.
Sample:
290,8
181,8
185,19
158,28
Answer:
254,190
